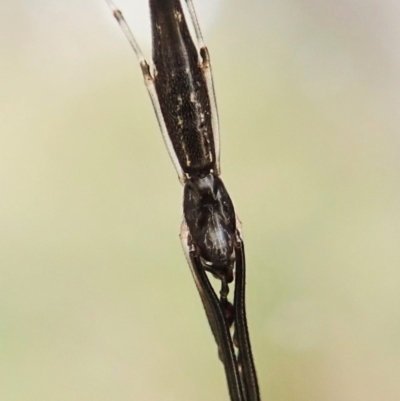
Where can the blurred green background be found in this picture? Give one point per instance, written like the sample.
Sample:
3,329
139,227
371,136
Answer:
96,300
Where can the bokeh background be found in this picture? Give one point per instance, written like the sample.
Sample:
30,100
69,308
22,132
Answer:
96,300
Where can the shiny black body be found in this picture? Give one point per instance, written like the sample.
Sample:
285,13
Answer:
214,241
211,220
181,88
182,93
